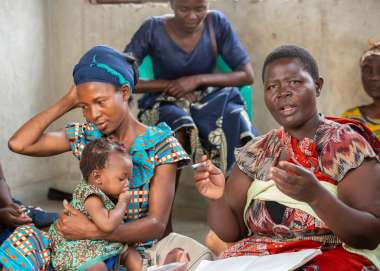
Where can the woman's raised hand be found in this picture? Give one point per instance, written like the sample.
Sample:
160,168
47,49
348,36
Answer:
209,180
296,182
72,96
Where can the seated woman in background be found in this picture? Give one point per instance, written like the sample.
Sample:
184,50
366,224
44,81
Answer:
205,109
370,71
313,183
104,80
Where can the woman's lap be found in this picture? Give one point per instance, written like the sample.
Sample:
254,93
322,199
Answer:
27,248
219,119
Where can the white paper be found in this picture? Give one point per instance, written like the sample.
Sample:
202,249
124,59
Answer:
278,262
168,267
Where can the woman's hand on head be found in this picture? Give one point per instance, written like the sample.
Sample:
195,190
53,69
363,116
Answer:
72,96
296,182
209,180
182,86
74,225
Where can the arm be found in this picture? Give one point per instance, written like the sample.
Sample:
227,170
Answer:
230,208
10,213
161,196
106,221
358,200
5,193
31,138
241,76
226,201
151,86
187,84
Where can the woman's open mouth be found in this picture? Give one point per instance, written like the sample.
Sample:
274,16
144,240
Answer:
287,110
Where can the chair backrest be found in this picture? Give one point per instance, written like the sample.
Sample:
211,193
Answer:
146,73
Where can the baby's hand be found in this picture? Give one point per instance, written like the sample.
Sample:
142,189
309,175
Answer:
125,195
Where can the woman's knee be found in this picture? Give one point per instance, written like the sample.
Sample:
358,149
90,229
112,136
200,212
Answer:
215,244
98,267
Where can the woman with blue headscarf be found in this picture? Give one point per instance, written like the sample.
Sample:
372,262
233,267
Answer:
104,80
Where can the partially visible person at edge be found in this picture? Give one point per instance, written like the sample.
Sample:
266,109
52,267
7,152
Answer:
14,213
370,72
104,80
313,183
204,108
11,215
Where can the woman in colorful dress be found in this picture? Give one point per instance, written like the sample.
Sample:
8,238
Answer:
370,71
204,108
104,80
313,183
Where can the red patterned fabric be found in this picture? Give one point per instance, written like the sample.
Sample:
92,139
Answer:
362,129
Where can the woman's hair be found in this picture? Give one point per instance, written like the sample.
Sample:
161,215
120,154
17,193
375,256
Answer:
293,51
96,153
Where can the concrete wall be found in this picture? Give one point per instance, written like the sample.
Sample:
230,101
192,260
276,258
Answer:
335,31
25,86
43,39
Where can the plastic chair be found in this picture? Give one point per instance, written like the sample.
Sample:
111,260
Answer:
146,73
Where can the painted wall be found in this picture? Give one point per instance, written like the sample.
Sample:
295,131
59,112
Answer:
43,39
25,86
335,31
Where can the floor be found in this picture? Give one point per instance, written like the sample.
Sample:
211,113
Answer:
189,213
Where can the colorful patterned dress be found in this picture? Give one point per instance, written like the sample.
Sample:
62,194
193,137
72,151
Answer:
81,254
372,123
28,246
335,150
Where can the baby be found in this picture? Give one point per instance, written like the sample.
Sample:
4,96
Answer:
106,168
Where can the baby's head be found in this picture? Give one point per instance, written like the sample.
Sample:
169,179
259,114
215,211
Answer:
106,165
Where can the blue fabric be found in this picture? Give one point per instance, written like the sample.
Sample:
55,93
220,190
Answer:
110,263
106,65
171,62
5,233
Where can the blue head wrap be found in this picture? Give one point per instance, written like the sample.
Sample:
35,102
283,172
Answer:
106,65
